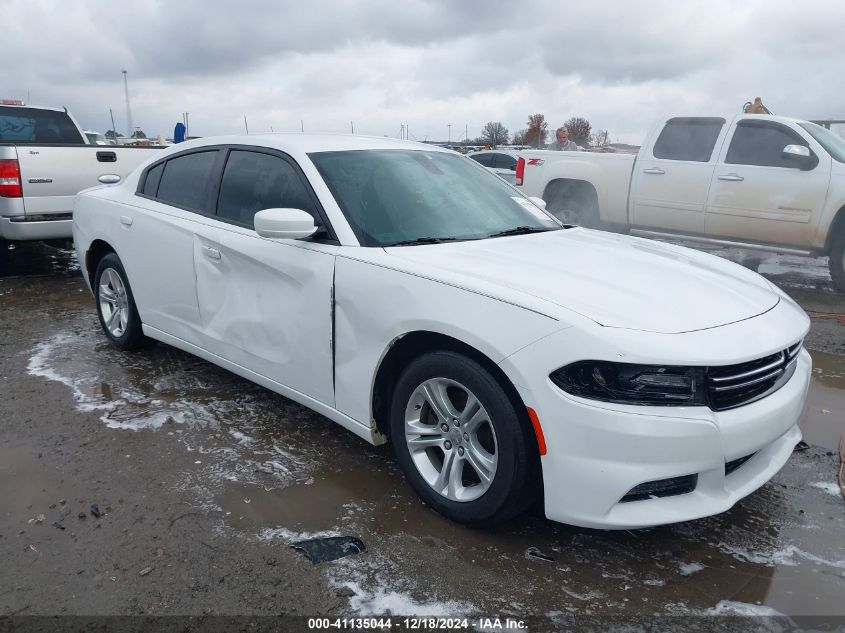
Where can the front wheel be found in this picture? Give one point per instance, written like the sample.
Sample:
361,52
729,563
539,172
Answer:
116,308
836,261
460,441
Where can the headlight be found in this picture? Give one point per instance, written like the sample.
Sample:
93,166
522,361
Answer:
625,383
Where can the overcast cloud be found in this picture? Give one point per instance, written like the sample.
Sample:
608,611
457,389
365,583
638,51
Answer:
618,63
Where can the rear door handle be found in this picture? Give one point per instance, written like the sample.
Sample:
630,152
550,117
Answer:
211,253
654,170
126,220
731,177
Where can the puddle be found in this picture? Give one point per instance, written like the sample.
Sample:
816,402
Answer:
823,421
28,259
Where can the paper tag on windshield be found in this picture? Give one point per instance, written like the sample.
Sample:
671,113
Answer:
532,208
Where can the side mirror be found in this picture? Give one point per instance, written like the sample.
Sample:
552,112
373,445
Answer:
538,201
801,155
291,224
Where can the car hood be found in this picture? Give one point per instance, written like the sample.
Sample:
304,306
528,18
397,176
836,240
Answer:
614,280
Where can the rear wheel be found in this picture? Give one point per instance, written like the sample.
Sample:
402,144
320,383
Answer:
836,261
116,305
460,441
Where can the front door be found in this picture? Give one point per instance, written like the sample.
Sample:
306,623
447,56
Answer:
759,193
266,304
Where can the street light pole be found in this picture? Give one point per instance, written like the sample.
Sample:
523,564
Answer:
128,110
449,125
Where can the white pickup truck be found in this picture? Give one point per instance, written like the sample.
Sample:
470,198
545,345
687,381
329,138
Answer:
45,160
757,181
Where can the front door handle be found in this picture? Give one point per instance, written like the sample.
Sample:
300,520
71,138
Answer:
211,253
654,170
731,177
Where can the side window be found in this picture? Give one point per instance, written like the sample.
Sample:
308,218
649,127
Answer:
688,139
186,180
483,159
761,143
253,181
152,180
504,161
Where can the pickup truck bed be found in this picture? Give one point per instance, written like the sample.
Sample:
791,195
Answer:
45,160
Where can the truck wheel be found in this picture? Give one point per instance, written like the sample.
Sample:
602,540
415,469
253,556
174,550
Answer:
836,261
116,308
460,441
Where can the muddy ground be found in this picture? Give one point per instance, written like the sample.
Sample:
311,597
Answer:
156,483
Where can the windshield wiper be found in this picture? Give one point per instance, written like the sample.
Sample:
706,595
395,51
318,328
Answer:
423,240
522,230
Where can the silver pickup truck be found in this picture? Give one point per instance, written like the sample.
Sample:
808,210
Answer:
45,160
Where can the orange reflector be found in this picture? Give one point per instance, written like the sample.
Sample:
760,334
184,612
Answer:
538,430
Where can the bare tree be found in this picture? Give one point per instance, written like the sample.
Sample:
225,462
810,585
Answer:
494,134
579,130
537,130
518,137
600,138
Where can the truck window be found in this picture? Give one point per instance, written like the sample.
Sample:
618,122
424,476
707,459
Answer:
688,139
761,143
31,125
504,161
485,160
253,181
186,180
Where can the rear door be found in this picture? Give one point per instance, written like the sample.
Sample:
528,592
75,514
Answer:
266,304
174,206
758,193
670,182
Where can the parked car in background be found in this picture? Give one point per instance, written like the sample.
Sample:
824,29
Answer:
406,293
755,181
501,162
45,160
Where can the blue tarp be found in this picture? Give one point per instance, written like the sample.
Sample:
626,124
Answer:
179,133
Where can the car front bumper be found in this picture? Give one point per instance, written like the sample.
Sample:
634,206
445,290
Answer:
598,452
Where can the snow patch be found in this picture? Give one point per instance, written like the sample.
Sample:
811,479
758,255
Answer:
688,569
784,556
381,601
828,486
729,607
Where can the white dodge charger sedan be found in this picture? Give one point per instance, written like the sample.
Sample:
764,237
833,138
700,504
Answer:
409,295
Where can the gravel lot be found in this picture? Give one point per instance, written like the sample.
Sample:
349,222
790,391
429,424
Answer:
155,483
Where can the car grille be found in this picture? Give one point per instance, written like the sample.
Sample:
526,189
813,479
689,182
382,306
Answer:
735,385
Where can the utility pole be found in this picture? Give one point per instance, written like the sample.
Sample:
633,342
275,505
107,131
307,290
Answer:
449,125
302,125
246,125
466,134
128,109
187,127
113,128
352,127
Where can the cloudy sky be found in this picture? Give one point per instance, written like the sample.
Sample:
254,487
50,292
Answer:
425,63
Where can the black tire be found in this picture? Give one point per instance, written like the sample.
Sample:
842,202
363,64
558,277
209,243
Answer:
836,261
515,484
132,337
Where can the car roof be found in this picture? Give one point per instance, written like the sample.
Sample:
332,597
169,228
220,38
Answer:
307,143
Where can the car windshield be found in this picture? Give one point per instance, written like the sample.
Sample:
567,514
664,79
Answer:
835,145
395,197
